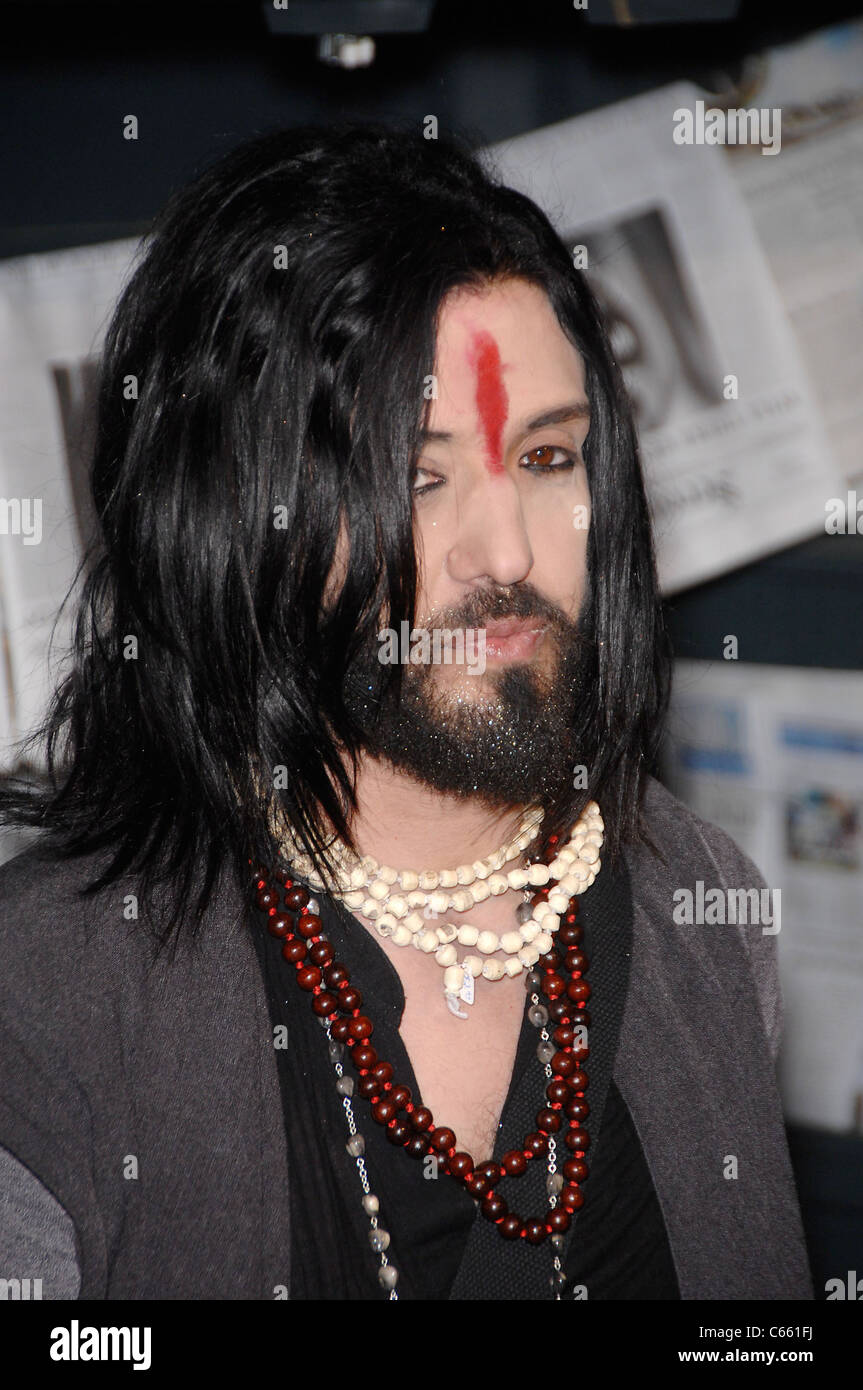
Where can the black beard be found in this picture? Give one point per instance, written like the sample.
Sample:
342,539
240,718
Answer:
514,746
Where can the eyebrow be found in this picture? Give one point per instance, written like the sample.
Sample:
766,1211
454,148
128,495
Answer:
558,415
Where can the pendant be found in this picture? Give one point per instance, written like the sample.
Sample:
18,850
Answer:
465,994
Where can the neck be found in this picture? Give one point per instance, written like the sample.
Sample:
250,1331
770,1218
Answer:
403,823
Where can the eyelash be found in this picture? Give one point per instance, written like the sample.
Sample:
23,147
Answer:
545,468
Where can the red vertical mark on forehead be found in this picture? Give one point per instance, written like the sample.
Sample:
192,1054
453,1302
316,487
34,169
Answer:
491,399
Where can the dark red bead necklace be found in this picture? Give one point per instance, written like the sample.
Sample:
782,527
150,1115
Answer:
559,999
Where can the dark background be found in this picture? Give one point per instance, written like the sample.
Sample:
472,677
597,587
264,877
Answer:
201,77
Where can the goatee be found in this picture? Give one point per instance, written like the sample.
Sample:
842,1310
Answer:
510,744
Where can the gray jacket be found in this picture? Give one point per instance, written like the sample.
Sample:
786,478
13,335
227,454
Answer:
144,1098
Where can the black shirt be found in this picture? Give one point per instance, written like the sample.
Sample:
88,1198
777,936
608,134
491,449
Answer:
441,1245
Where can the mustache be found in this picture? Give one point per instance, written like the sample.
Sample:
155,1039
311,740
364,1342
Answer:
493,606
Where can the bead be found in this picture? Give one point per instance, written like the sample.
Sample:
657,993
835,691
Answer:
414,922
381,1073
336,975
448,878
371,1205
577,1109
493,970
478,893
442,1139
321,952
543,942
453,978
363,1056
336,1051
517,878
384,1110
278,924
538,1015
465,874
400,1096
388,1277
468,935
510,1226
523,913
422,1117
538,874
426,941
532,981
511,942
557,1091
399,1131
554,1184
324,1004
514,1162
379,891
409,880
308,976
345,1085
362,1028
575,1170
545,1052
446,933
528,955
401,935
446,955
310,925
296,899
350,998
497,884
535,1232
428,880
294,951
547,1120
460,1165
578,991
379,1240
513,966
439,902
417,1146
577,1140
474,965
462,900
553,986
493,1207
487,941
356,1145
385,924
536,1145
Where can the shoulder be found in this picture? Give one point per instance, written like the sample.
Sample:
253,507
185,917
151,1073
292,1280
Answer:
688,851
687,842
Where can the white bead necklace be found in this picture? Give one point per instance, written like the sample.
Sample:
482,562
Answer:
403,916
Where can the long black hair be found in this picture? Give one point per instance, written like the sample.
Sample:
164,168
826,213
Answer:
262,381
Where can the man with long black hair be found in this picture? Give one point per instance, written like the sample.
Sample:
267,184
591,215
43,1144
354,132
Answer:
346,965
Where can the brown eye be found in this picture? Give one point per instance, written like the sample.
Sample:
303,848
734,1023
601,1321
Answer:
548,458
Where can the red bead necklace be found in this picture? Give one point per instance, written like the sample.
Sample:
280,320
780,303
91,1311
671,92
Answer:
558,976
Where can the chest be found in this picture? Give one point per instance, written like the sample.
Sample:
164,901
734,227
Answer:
463,1067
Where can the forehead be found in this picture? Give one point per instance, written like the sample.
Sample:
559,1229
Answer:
538,363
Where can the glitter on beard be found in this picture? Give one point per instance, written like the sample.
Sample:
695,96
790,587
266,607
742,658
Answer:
511,744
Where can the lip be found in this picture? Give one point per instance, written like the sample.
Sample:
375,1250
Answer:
513,638
509,627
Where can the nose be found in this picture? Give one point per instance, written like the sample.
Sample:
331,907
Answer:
491,540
